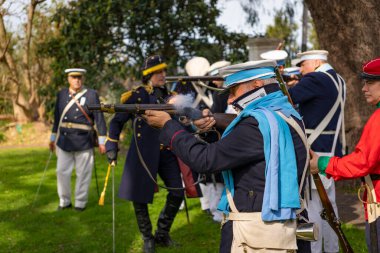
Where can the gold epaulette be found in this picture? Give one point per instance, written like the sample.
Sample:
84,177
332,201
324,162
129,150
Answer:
125,96
148,88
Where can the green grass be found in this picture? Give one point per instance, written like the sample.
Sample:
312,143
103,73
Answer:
40,228
25,227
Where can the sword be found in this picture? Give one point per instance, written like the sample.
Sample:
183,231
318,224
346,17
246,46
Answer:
42,178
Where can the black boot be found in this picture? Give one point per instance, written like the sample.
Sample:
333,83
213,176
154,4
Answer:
165,220
145,226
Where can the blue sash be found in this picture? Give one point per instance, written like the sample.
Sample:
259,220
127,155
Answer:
281,197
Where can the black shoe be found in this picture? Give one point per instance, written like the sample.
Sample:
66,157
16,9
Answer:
80,209
60,208
165,221
164,240
149,245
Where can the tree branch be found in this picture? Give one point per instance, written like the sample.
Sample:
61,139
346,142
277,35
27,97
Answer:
2,57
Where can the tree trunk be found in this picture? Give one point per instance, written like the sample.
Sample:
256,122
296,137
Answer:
21,88
349,31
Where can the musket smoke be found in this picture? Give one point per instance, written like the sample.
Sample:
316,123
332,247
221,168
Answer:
181,101
184,103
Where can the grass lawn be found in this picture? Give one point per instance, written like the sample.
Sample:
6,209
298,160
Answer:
25,227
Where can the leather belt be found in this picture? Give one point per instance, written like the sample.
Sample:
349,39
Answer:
375,176
76,126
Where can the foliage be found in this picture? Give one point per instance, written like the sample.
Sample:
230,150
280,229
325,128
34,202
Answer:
180,30
251,7
285,28
24,72
89,37
111,38
39,228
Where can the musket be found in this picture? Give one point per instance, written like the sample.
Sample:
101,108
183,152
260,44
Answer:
283,86
222,119
198,80
329,215
193,78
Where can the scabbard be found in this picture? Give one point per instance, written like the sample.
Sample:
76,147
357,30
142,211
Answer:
373,236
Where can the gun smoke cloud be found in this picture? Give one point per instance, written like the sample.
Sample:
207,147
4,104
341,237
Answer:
181,101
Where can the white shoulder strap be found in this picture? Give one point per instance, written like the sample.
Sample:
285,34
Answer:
67,107
323,124
302,135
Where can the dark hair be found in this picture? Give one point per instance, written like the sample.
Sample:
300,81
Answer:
145,79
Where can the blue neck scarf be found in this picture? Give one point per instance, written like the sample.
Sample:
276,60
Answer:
281,197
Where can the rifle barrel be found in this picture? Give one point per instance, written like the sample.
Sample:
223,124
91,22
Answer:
131,108
222,119
193,78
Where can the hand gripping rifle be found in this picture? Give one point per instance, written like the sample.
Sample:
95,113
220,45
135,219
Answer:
222,119
328,213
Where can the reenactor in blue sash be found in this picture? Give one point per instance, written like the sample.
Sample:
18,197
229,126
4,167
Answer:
252,221
320,95
73,138
146,158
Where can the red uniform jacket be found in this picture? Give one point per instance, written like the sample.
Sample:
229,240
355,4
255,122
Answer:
364,160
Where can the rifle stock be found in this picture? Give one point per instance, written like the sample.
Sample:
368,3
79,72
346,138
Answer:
328,214
222,119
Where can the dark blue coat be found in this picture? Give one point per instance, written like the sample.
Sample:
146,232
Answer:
136,185
72,139
315,95
242,151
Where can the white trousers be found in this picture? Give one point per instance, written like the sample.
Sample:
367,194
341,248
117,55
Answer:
211,197
83,162
326,233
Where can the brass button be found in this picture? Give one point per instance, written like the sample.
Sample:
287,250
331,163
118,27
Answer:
137,92
139,119
251,193
138,135
139,99
139,126
162,146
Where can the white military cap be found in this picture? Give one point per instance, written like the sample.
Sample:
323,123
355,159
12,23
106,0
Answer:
197,66
214,68
295,61
277,55
75,72
312,55
244,72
